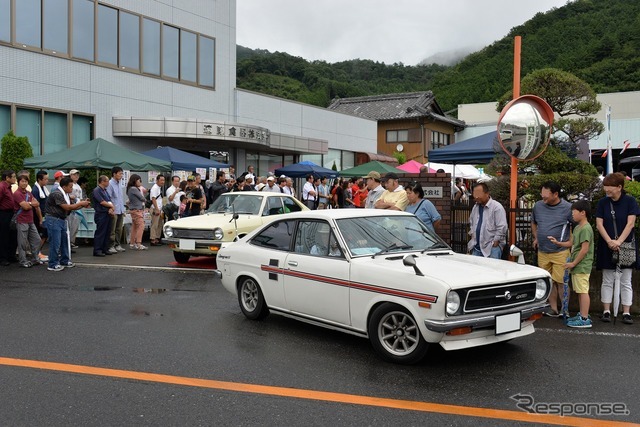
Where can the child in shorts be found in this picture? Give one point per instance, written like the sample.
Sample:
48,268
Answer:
581,263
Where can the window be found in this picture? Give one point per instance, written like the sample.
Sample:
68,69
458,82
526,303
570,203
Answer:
397,135
439,139
315,238
206,72
290,205
28,22
348,159
129,41
151,43
5,20
55,25
107,35
273,206
28,123
188,56
277,236
170,47
55,132
82,129
83,26
5,119
331,158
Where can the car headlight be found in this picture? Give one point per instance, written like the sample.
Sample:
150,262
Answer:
453,303
218,234
541,288
168,231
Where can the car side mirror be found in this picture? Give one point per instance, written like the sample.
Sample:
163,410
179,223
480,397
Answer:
410,261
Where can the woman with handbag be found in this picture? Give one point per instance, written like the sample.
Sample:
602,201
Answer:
617,251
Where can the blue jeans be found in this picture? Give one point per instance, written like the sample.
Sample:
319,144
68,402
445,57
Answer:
495,252
58,241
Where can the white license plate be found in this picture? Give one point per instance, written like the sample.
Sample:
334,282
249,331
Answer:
187,245
507,323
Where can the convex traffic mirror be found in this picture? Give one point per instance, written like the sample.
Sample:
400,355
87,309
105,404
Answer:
524,127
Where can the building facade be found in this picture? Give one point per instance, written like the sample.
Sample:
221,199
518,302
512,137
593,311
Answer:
148,73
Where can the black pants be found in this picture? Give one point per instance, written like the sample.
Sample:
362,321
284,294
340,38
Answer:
101,242
8,237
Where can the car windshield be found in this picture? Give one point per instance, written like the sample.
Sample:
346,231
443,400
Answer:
238,203
379,235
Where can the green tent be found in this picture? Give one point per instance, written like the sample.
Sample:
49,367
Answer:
97,154
364,169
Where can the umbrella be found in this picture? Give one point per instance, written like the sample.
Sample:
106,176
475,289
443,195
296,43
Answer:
182,160
305,168
364,169
413,166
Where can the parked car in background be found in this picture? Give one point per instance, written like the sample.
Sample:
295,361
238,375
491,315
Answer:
230,217
384,276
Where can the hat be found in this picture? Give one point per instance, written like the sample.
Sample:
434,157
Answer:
259,187
373,175
390,175
271,178
191,178
249,176
73,171
59,174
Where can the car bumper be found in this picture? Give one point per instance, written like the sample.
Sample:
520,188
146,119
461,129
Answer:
195,246
483,320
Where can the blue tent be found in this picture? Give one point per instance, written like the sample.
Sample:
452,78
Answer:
183,161
304,168
477,150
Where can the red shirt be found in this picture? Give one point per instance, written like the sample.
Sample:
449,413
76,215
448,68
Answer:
6,197
354,199
26,216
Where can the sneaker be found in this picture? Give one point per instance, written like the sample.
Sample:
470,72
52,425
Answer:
133,247
606,317
69,265
112,251
580,323
141,247
26,264
626,318
56,268
119,248
74,246
552,313
43,258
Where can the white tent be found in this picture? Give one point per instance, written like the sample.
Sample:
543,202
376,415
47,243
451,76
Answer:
461,171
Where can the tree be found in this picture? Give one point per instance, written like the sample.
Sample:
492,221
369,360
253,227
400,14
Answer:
573,100
14,150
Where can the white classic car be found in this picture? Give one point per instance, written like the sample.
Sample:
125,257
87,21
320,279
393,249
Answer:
381,275
230,216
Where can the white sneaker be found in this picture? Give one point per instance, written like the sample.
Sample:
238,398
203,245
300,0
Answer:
141,247
119,248
112,251
56,268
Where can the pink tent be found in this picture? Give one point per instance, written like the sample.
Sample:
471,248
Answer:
413,167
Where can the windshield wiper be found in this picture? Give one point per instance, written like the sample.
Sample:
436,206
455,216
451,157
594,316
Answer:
390,248
435,246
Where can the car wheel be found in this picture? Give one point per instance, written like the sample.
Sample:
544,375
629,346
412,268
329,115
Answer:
395,335
251,300
180,257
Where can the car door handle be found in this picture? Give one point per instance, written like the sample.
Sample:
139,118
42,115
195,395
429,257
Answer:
293,263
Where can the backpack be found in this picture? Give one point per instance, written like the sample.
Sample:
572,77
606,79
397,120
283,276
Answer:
147,199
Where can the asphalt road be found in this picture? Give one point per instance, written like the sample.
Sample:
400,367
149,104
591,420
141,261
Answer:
111,346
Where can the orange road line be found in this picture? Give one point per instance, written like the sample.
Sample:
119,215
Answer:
468,411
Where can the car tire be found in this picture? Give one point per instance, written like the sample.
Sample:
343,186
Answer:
251,299
181,257
395,336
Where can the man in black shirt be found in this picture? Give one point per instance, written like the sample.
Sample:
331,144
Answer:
194,197
217,188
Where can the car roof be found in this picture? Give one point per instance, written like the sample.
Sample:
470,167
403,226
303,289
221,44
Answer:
346,213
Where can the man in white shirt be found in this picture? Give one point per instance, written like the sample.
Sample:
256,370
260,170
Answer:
375,189
309,193
156,211
171,193
74,216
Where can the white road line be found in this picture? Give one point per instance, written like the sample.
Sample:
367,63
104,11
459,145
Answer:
588,332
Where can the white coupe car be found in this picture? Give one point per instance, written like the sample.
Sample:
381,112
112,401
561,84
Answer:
230,216
381,275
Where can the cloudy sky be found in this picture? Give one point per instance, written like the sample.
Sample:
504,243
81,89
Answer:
406,31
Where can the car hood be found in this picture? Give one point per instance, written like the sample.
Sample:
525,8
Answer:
455,270
211,220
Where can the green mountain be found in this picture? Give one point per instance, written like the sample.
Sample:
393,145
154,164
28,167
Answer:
597,40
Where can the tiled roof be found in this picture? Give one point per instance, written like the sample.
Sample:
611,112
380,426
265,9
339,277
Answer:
393,106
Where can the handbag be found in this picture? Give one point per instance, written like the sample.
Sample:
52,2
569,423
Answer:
625,257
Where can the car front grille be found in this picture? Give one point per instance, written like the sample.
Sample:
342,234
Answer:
181,233
498,297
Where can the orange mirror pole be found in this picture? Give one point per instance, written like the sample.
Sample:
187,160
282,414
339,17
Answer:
513,198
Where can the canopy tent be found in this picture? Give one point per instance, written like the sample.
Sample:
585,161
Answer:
183,161
413,166
459,171
364,169
479,149
97,153
304,168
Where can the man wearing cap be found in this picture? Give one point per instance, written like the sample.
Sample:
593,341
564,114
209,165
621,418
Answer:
309,193
56,179
193,197
117,220
271,186
74,216
375,189
394,197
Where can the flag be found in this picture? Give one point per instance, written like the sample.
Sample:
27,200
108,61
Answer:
626,145
604,153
